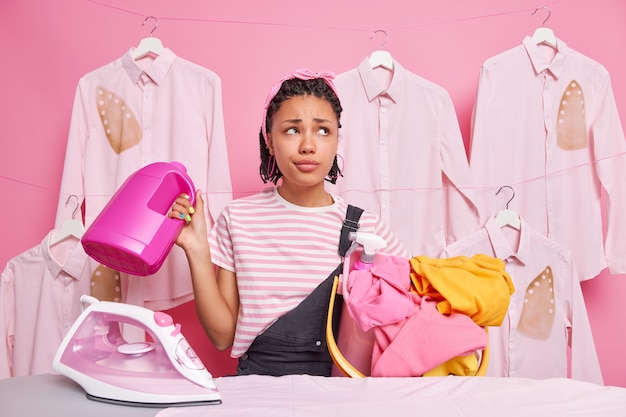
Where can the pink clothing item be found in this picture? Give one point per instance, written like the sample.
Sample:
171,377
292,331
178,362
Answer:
404,157
302,74
280,253
40,293
547,314
546,123
128,114
379,296
424,340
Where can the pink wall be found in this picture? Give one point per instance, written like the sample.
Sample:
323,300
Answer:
48,45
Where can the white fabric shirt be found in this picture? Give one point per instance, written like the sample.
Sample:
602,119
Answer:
280,253
547,312
546,123
128,114
40,293
404,157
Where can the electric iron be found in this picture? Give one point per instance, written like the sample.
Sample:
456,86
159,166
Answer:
161,372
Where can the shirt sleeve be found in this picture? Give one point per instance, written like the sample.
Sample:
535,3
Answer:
585,365
380,228
222,251
72,179
462,216
7,321
219,187
610,153
481,156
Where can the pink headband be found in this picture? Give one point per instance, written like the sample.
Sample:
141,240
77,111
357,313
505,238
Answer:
301,74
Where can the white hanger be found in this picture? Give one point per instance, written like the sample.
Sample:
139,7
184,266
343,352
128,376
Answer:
508,217
544,34
71,227
149,45
381,58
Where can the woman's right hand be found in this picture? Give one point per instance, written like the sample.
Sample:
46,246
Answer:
194,233
216,296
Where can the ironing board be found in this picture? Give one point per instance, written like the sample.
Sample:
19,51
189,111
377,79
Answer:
57,395
305,396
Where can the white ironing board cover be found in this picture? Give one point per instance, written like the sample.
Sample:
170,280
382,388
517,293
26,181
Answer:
309,396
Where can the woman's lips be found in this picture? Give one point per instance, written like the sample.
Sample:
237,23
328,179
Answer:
306,165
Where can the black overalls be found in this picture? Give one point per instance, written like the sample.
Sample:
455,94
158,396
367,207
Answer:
296,342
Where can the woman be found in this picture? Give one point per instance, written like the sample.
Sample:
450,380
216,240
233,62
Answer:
269,252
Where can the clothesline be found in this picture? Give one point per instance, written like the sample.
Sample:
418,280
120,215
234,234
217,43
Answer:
368,30
244,192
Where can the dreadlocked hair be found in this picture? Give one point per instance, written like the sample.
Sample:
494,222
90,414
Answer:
292,88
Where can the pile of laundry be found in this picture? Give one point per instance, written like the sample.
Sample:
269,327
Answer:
429,316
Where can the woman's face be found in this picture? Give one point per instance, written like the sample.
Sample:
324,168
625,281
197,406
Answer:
303,140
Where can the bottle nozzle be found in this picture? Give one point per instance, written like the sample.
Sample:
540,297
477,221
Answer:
370,243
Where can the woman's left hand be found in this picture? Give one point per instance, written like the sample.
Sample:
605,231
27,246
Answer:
195,230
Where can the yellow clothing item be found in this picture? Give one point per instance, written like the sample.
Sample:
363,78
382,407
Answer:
460,366
478,287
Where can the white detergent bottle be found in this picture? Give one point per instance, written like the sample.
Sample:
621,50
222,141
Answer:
370,243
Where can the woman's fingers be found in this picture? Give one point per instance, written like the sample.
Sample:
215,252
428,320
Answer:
182,208
199,200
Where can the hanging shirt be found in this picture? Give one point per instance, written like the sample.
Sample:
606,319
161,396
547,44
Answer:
547,312
128,114
281,252
40,293
404,157
546,123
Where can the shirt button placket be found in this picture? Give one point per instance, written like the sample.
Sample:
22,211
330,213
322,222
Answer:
550,142
511,321
384,159
68,300
146,119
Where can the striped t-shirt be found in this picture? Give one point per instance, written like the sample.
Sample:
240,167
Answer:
280,253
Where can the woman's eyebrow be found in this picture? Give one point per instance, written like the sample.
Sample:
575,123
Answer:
315,119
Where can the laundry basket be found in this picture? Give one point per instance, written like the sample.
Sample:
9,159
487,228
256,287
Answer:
352,350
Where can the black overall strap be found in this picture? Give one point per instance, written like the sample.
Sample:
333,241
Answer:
350,224
335,306
296,342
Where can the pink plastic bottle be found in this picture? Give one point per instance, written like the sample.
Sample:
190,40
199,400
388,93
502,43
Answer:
132,233
355,344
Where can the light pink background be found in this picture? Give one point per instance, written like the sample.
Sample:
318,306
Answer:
46,46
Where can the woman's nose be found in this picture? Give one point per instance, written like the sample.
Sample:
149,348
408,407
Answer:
308,143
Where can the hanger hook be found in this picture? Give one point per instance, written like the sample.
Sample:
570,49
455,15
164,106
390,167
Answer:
547,17
77,205
512,197
156,23
386,37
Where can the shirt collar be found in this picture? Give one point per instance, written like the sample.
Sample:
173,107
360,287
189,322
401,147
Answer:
74,263
156,70
501,247
541,62
373,88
